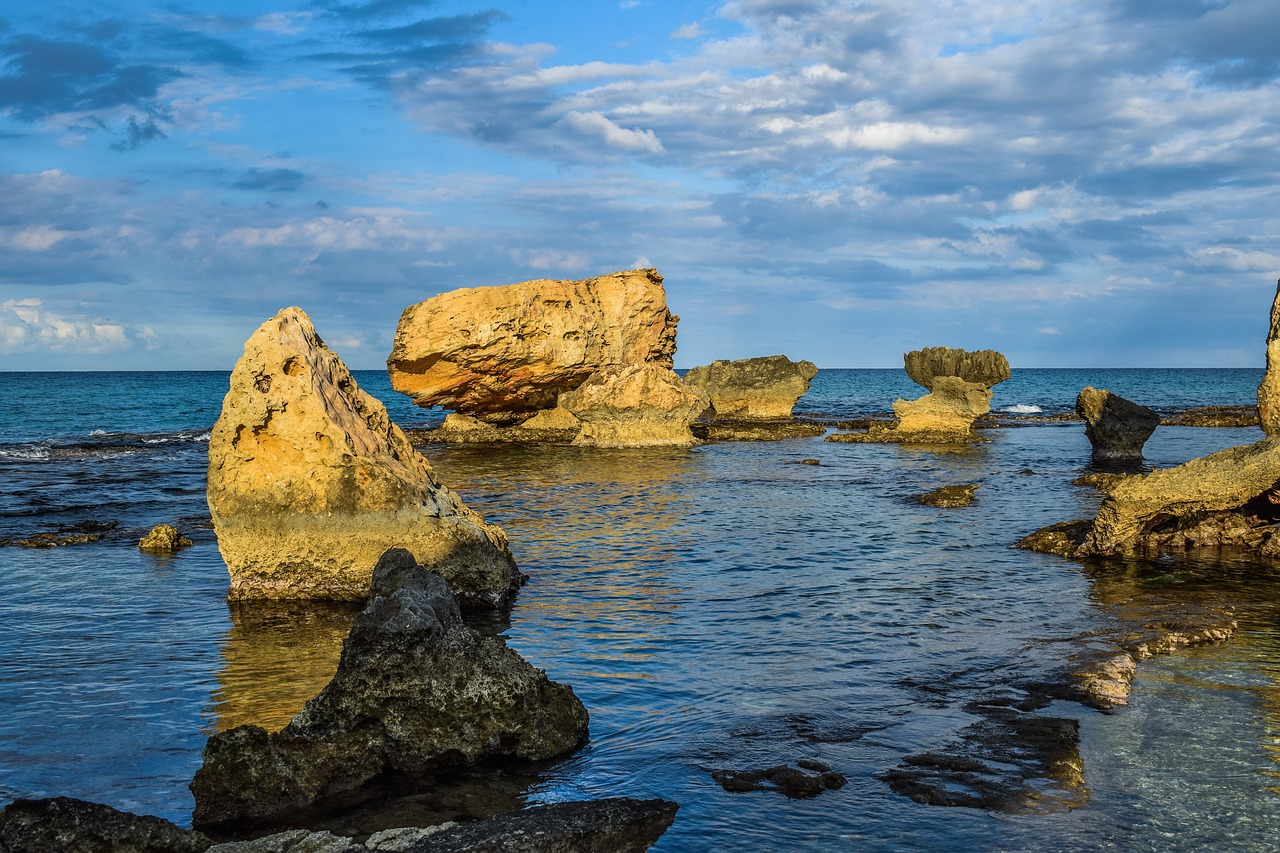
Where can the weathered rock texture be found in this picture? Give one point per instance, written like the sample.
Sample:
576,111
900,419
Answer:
984,367
758,389
640,405
1116,427
1269,388
68,825
501,354
310,482
416,694
949,497
943,416
807,779
163,539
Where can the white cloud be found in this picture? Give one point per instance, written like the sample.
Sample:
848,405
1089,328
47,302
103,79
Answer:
25,324
688,31
616,137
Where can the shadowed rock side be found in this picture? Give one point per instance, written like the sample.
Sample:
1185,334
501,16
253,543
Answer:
984,367
753,389
67,825
1269,388
640,405
500,354
416,694
310,482
1116,427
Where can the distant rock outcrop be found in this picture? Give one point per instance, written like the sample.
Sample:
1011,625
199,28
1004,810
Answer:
753,389
417,693
500,354
163,539
310,482
1269,388
1116,427
984,367
640,405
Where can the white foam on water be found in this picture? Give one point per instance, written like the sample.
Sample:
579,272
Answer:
1023,409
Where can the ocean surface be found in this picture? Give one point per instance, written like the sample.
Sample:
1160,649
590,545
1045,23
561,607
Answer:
718,607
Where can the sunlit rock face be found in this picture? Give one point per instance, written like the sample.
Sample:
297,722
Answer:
500,354
310,482
1269,389
758,389
641,405
416,694
1116,427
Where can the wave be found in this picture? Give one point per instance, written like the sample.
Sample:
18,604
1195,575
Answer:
1023,409
102,444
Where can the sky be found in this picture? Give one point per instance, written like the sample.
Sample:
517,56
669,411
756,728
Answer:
1076,183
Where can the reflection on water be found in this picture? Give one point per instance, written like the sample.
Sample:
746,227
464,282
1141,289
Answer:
276,656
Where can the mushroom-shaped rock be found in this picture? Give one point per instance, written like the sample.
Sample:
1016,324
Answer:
503,353
641,405
765,388
1116,427
310,482
417,693
1269,388
983,367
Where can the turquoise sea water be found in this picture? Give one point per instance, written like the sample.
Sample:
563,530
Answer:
715,607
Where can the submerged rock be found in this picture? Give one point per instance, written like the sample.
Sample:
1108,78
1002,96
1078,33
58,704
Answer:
309,482
949,497
68,825
500,354
765,388
416,694
1116,427
1269,388
639,405
1214,416
984,367
164,539
807,779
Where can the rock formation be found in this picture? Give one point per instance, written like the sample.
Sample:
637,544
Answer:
310,481
1116,428
163,539
807,779
501,354
640,405
756,389
76,826
416,694
949,497
1269,388
984,367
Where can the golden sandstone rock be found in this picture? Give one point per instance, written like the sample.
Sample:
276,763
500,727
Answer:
1269,389
765,388
500,354
641,405
310,482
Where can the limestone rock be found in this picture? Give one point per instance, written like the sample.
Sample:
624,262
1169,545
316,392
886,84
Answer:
310,482
1269,388
1116,427
68,825
416,694
949,497
1214,416
984,367
164,539
943,416
760,389
502,353
639,405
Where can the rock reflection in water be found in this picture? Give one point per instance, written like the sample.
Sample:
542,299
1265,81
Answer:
276,656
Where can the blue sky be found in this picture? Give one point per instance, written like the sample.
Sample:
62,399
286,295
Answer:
1075,183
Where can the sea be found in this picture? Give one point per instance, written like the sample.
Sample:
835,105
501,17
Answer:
719,607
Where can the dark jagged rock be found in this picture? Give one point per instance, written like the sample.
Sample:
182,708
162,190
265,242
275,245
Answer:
807,779
67,825
618,825
765,388
1116,427
416,694
1063,538
949,497
1214,416
983,367
65,534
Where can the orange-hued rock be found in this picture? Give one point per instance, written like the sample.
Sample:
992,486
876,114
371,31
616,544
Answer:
501,354
757,389
640,405
1269,389
310,482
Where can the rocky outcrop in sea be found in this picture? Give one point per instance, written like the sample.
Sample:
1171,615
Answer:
640,405
1117,428
309,482
1269,388
753,389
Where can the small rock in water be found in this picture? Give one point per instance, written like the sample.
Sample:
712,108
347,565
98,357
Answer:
791,781
949,497
164,539
809,462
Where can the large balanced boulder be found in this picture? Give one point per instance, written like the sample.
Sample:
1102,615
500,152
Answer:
310,482
640,405
1269,388
500,354
1116,427
983,367
755,389
416,694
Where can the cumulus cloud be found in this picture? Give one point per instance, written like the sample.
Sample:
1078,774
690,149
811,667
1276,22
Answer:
25,324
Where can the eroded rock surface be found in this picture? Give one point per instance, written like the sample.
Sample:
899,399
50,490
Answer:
757,389
500,354
983,367
163,539
949,497
639,405
1269,388
416,694
68,825
943,416
310,482
1116,427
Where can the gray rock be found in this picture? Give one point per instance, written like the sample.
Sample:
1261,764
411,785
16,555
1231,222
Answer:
1116,427
618,825
293,841
67,825
401,839
983,367
416,694
794,782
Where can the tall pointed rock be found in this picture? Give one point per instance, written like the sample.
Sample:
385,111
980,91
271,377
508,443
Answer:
1269,388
